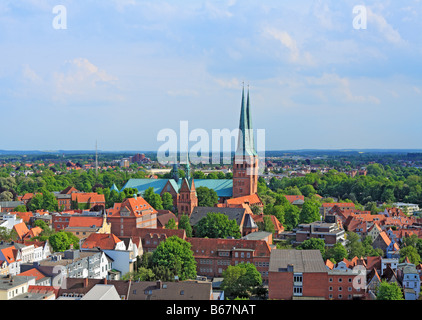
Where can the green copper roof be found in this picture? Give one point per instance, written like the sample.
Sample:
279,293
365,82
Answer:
114,187
223,187
246,144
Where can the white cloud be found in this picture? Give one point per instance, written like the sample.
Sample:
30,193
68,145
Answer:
80,77
386,30
287,41
31,75
333,84
229,84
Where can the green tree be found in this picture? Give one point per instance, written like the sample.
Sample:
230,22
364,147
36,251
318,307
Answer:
8,235
266,225
291,217
175,254
59,241
167,201
62,240
171,224
6,196
313,244
310,212
241,280
142,274
411,253
389,291
20,208
206,197
185,224
44,200
337,253
217,225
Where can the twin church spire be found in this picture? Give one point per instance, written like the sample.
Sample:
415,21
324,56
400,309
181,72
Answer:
246,141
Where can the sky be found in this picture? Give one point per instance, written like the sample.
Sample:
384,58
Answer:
121,71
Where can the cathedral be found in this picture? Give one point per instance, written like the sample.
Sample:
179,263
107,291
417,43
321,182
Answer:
245,172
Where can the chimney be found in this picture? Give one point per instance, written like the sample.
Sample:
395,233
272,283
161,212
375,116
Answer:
159,284
105,280
85,282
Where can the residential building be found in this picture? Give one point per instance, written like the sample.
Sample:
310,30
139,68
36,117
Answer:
162,290
239,215
83,226
151,238
132,213
14,286
213,256
326,207
331,233
410,280
80,264
9,206
297,274
10,255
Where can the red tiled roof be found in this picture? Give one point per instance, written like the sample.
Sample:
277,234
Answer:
293,198
21,229
33,273
25,216
9,254
338,204
249,199
104,241
84,221
158,232
137,207
92,197
278,227
44,289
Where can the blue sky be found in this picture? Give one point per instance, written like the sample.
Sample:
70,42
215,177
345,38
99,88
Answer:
125,69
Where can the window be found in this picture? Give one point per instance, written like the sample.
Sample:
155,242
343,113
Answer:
297,290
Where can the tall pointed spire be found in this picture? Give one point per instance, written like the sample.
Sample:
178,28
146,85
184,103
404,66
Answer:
188,173
246,145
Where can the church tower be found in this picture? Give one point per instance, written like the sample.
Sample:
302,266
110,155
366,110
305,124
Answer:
245,161
187,198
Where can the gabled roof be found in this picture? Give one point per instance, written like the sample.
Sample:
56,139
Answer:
21,229
9,254
136,206
69,190
163,217
103,241
329,264
90,197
